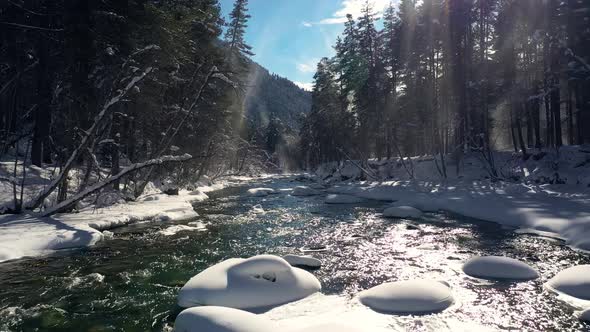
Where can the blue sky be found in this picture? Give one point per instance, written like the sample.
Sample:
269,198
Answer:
289,37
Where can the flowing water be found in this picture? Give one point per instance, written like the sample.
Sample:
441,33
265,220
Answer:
130,282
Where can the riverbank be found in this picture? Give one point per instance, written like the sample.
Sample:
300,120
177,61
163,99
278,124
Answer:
548,194
29,236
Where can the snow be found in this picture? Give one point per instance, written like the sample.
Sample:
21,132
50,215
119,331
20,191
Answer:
257,282
585,315
261,192
30,235
173,230
220,319
304,191
495,267
307,261
402,212
343,199
560,211
412,296
574,282
326,327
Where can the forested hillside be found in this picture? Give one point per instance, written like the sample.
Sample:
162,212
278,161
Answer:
91,88
448,77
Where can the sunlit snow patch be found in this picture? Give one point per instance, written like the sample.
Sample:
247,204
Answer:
258,282
496,267
220,319
411,296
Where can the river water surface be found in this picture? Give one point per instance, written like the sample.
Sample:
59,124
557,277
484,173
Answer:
130,282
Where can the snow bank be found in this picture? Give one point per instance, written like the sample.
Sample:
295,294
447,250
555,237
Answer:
27,235
574,281
304,191
495,267
261,192
257,282
559,211
412,296
402,212
220,319
326,327
173,230
306,261
343,199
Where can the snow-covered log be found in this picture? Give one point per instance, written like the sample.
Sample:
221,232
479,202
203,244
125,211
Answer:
65,205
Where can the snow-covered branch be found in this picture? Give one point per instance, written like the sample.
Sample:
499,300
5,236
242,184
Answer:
85,141
67,204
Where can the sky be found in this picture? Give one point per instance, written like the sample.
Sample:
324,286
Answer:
289,37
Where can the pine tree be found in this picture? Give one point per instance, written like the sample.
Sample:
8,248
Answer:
235,34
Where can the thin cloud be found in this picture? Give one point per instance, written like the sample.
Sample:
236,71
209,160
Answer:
354,7
307,24
304,86
308,66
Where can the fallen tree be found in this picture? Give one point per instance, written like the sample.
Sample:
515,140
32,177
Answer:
69,203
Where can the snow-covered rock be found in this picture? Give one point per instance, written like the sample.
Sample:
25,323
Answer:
326,327
574,281
496,267
304,191
402,212
412,296
173,230
306,261
257,282
261,192
585,315
422,202
343,199
221,319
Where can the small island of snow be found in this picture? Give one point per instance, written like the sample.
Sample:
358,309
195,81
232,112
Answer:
496,267
574,282
221,319
261,192
306,261
304,191
412,296
343,199
258,282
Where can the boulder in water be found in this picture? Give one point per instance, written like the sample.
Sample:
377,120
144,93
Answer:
258,282
343,199
574,281
412,296
496,267
306,261
221,319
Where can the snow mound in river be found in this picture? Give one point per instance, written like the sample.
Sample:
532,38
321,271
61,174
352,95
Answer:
402,212
343,199
304,191
411,296
326,327
495,267
585,315
261,192
422,202
306,261
173,230
574,281
220,319
257,282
